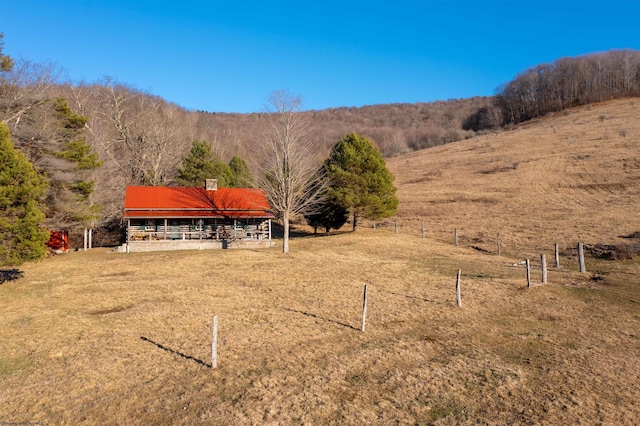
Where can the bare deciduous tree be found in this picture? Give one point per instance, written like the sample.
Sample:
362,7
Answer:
289,168
24,87
142,133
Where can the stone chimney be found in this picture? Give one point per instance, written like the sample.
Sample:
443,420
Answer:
211,184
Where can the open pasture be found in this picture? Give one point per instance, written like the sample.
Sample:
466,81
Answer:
100,337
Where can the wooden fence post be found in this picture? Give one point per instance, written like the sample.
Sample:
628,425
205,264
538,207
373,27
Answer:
581,257
458,295
543,265
528,263
455,237
422,228
364,308
557,253
214,343
396,226
498,240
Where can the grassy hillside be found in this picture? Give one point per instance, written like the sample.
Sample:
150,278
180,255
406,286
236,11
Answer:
562,179
101,337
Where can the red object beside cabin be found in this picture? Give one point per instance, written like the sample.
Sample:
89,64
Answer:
59,241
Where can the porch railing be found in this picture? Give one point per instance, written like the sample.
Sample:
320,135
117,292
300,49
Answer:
220,234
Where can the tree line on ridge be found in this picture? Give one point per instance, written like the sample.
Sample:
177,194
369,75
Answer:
564,83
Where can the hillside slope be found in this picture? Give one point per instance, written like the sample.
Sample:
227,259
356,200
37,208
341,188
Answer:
573,176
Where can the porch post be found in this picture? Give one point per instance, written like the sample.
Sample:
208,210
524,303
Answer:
269,229
165,228
128,231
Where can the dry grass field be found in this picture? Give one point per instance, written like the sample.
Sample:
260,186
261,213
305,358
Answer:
562,179
100,337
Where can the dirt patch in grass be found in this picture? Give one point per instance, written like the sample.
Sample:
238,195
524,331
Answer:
612,252
499,169
113,310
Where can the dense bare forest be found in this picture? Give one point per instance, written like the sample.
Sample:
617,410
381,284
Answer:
141,138
565,83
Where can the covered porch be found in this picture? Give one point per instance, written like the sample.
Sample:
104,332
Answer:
157,234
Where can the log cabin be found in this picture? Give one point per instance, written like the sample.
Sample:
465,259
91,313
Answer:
177,218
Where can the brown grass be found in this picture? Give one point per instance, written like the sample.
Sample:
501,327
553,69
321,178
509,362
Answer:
108,338
563,179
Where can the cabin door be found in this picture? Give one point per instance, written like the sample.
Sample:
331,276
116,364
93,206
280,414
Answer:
174,230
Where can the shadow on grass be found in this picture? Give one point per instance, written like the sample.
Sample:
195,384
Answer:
9,275
295,232
322,318
172,351
277,232
408,296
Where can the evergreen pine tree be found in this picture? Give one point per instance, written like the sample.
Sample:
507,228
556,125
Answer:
22,189
69,198
359,180
242,177
202,163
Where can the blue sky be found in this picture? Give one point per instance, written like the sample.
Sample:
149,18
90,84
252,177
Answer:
226,56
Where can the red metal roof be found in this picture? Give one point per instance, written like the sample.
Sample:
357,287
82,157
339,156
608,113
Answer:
175,202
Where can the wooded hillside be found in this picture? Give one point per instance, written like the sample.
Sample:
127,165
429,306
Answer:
565,83
140,139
